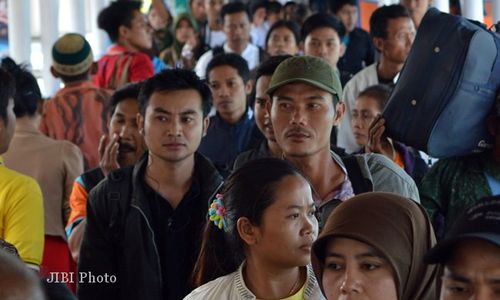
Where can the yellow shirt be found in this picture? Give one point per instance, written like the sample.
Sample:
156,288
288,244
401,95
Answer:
297,296
21,214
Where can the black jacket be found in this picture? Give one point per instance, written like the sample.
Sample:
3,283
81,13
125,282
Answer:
360,53
119,239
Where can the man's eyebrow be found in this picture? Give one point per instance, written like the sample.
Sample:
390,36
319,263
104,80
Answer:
189,112
161,110
284,98
457,277
316,97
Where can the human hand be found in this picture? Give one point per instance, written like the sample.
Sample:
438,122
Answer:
378,142
108,153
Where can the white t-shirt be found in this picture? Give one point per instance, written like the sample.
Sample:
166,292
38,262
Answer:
250,54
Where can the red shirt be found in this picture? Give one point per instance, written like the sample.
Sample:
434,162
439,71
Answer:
122,65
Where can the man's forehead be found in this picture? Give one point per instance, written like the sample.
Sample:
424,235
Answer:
323,33
240,16
175,100
399,23
127,105
223,72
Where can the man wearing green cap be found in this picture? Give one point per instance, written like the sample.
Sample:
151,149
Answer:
304,108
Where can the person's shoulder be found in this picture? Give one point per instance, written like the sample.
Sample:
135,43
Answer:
360,32
13,182
363,78
373,159
219,288
68,148
245,157
389,177
115,181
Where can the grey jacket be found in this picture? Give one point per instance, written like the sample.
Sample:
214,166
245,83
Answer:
383,175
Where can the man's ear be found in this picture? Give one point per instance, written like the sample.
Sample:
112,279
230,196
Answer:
269,105
342,50
206,123
378,43
123,31
139,119
247,231
248,87
339,113
94,68
54,72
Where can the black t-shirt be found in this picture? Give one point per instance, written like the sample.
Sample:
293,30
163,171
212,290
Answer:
177,237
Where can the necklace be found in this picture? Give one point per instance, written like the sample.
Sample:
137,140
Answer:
294,286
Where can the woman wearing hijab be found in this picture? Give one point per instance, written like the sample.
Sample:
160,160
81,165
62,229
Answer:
186,48
373,246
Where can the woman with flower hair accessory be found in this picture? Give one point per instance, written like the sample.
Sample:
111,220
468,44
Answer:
259,236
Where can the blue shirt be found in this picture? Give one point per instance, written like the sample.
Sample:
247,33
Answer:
224,141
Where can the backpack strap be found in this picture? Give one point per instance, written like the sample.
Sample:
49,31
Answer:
360,184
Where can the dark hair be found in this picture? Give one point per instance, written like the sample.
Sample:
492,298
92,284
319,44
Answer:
301,12
291,25
7,91
129,91
247,192
234,8
321,20
380,93
336,5
118,13
174,80
258,4
267,67
230,59
274,7
74,78
28,96
381,16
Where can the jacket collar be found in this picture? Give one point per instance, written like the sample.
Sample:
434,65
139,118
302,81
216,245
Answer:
207,175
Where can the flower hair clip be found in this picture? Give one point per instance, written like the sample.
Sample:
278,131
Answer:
217,211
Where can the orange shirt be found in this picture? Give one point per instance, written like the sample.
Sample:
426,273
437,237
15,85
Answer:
78,113
399,160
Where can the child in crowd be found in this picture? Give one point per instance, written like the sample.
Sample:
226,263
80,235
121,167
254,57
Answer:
369,104
186,48
373,247
259,236
283,38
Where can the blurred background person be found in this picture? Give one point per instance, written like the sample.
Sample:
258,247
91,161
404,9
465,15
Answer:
283,38
54,164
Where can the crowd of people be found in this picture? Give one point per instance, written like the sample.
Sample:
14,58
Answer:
236,150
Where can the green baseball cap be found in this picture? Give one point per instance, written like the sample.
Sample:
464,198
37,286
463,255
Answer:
308,69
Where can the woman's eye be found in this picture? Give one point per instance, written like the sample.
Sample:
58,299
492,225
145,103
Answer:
370,267
333,266
457,289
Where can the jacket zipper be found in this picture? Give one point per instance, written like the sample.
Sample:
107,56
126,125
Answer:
154,244
153,234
